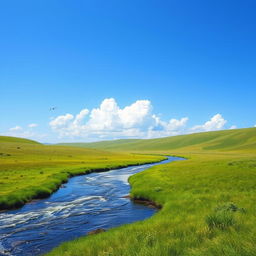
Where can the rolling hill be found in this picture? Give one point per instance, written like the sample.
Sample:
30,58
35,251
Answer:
6,139
226,140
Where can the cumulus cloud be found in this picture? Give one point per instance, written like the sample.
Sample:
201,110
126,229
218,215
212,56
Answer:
217,122
110,117
170,128
61,122
80,117
32,125
16,128
111,121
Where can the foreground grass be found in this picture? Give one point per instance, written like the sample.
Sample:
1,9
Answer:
208,200
30,170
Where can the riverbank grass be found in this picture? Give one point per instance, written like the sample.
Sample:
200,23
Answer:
30,170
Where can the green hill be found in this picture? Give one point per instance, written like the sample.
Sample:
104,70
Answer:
226,140
16,140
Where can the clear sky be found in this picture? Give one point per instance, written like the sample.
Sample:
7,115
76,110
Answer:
130,68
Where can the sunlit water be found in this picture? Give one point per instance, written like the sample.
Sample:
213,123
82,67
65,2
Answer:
85,203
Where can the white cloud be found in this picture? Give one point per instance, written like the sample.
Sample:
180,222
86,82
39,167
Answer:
136,114
110,117
79,117
32,125
16,128
61,121
217,122
21,133
27,132
233,127
111,121
162,128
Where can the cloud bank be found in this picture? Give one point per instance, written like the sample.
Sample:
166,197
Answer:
15,129
25,132
137,120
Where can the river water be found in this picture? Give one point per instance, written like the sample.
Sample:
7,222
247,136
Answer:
85,203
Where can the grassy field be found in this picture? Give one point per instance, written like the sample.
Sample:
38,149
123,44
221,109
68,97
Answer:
208,200
30,170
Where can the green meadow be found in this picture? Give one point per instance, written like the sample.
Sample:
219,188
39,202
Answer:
30,170
208,200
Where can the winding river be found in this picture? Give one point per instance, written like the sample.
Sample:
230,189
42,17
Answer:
85,203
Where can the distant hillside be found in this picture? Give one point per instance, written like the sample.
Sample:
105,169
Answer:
226,140
109,144
5,139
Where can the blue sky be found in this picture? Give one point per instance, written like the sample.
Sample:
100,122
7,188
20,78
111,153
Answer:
167,60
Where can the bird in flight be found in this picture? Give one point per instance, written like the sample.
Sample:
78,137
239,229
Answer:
53,108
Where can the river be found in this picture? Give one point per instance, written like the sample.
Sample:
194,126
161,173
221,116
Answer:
85,203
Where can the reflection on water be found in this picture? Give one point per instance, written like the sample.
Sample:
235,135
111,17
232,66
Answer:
85,203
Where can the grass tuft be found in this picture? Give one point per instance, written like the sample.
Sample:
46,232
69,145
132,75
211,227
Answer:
220,219
223,216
